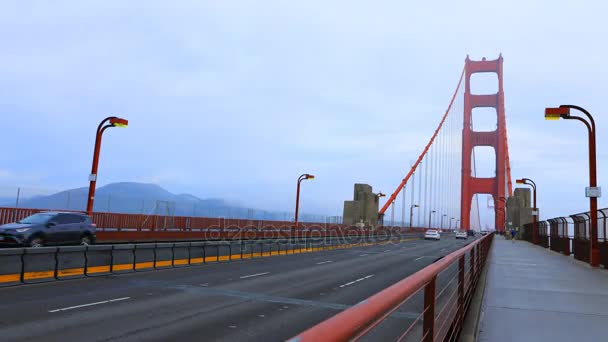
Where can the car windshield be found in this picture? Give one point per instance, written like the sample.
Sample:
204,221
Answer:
37,218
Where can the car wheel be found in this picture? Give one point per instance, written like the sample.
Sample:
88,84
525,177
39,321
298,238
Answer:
36,242
85,240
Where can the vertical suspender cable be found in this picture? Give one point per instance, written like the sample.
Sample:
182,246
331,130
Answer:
419,192
426,184
403,205
413,190
433,163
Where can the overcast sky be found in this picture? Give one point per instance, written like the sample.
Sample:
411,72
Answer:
235,99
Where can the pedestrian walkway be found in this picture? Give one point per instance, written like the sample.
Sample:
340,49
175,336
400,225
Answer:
533,294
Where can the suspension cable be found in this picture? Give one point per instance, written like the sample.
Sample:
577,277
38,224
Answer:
409,174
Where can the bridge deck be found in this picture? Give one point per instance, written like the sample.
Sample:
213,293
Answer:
533,294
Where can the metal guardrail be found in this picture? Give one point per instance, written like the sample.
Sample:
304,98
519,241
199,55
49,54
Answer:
33,265
442,312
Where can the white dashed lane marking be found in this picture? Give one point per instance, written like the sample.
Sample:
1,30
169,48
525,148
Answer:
324,262
90,304
356,281
254,275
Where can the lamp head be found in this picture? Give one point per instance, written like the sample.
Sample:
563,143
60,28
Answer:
555,113
119,122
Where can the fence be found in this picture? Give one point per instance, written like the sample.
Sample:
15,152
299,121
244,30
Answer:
559,240
33,265
578,243
440,313
116,227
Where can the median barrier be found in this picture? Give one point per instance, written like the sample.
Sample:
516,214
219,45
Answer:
256,249
197,253
71,262
181,254
246,250
123,258
98,260
11,266
144,256
32,265
212,252
274,248
163,255
235,250
39,264
224,251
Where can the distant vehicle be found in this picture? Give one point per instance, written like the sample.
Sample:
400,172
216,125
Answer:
484,232
462,235
471,233
432,235
49,228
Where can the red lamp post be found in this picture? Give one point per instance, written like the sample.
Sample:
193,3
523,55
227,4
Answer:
300,179
593,191
528,181
106,123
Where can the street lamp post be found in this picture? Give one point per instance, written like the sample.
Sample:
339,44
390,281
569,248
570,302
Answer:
300,179
457,224
106,123
450,228
593,192
442,216
528,181
431,213
412,213
380,217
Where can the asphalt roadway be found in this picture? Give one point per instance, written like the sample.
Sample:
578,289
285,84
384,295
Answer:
268,299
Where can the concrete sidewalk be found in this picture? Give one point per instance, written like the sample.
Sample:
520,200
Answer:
533,294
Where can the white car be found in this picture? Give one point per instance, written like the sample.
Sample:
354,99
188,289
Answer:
461,234
432,235
484,232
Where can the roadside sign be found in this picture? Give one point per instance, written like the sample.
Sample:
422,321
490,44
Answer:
593,191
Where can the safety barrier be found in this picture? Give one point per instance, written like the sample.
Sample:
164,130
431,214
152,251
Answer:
33,265
129,228
442,311
558,236
560,240
542,233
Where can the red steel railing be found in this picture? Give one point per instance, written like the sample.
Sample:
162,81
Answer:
442,313
118,227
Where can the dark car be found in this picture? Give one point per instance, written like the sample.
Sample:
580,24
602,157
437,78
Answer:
471,232
49,228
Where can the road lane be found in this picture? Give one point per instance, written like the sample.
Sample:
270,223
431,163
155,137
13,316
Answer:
213,302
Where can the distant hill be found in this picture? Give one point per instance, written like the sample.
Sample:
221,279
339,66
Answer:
143,198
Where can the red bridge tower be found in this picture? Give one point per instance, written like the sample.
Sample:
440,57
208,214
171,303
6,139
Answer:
499,184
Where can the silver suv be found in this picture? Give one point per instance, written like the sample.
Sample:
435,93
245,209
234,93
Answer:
49,228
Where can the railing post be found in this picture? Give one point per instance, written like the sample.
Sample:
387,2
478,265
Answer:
460,315
478,262
472,266
428,325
